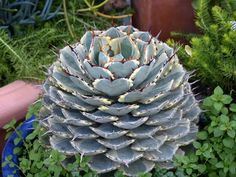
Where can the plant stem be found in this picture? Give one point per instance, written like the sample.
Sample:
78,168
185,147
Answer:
92,7
67,19
112,16
11,50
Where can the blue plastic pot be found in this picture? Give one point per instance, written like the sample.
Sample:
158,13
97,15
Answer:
26,128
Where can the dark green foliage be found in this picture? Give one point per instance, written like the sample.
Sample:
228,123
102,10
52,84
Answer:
14,14
213,52
24,57
215,154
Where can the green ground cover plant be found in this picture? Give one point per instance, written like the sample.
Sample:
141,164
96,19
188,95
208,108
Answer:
215,154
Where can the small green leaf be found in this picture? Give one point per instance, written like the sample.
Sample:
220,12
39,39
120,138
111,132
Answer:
224,118
11,124
226,99
231,133
9,157
220,165
232,168
17,140
218,132
196,144
189,171
4,163
201,168
207,102
202,135
17,150
218,106
223,127
232,107
224,110
228,142
218,91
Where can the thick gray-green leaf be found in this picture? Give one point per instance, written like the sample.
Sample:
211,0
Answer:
100,117
161,117
179,131
144,131
122,70
97,72
117,143
165,153
62,145
74,117
86,40
70,62
113,33
193,113
130,122
144,36
140,74
83,132
63,81
102,164
124,156
149,144
109,131
74,102
88,147
118,109
150,109
173,122
137,167
99,44
113,88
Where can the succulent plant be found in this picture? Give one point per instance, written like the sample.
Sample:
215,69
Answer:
121,97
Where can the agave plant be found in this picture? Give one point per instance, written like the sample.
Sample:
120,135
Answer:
121,97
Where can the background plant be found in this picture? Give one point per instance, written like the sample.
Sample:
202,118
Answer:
14,14
215,154
212,52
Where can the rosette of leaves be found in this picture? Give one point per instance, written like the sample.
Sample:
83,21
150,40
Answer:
121,97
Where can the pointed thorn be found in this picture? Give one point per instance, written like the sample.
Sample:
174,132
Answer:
47,132
194,82
195,88
172,56
193,71
127,165
55,48
199,101
81,157
157,36
196,94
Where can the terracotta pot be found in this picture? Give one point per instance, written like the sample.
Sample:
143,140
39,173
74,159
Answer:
165,16
15,99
